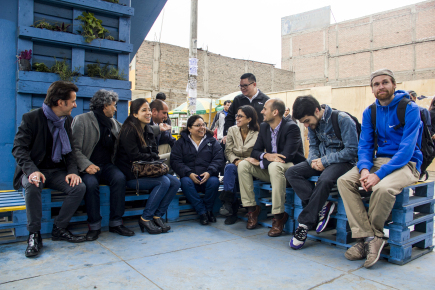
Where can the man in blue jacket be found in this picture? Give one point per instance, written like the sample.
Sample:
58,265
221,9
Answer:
395,165
329,158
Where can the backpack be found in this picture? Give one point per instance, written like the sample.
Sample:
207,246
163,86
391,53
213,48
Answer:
427,146
335,125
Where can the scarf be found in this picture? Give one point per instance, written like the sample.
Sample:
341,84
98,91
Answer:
106,136
61,144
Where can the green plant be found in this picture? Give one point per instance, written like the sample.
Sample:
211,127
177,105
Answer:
61,27
64,71
41,67
110,37
91,27
106,71
42,24
112,1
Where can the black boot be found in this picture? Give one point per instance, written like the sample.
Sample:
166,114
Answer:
92,235
150,226
121,230
34,244
211,217
60,234
159,222
233,218
203,219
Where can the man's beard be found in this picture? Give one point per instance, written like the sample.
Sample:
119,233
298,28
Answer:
385,97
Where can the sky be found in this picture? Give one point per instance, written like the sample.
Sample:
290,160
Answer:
250,29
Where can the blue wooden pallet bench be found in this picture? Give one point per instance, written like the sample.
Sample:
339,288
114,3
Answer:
13,216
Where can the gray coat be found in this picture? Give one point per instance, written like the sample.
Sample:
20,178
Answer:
86,134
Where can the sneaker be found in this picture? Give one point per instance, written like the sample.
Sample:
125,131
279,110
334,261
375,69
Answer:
374,248
299,238
357,251
226,209
324,215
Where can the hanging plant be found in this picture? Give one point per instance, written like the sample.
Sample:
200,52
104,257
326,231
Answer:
24,60
91,27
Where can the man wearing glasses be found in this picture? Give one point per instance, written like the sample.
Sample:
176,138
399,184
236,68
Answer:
250,95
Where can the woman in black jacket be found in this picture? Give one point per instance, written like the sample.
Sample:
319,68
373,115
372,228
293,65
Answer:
197,158
137,143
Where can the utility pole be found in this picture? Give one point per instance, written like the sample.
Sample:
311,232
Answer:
193,60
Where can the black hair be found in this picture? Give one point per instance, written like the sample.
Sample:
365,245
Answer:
192,119
432,104
412,93
161,96
59,90
279,105
132,123
250,112
157,104
248,76
226,102
305,106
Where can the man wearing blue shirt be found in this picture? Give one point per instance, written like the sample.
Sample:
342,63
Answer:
395,165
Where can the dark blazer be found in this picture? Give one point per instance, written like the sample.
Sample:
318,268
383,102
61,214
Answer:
130,150
289,142
30,145
164,137
186,160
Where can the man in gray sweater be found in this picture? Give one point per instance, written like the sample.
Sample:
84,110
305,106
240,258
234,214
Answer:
95,134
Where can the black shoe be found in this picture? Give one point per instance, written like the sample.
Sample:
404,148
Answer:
150,226
226,209
231,220
211,217
203,219
34,244
92,235
59,234
159,222
121,230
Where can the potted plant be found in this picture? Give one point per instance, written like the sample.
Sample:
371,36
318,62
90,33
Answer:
24,60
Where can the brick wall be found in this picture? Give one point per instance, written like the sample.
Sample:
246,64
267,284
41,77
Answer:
345,53
163,68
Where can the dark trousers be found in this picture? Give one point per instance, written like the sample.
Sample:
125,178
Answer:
163,189
222,172
210,189
314,197
231,183
110,175
54,179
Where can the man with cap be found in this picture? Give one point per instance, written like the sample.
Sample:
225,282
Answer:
395,165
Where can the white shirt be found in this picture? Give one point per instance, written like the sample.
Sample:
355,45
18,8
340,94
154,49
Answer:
194,143
253,97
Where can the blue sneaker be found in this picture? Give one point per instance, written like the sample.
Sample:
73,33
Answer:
324,215
299,238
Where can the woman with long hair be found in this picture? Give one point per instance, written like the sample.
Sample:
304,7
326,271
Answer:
197,158
137,143
240,142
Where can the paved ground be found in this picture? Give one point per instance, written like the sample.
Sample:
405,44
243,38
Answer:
192,256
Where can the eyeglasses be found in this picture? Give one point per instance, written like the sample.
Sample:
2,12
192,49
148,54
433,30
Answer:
244,86
199,125
239,116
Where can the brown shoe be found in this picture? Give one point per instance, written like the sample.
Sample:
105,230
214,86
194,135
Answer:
374,248
278,226
252,218
357,251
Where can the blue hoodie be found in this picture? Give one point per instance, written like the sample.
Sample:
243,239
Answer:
400,145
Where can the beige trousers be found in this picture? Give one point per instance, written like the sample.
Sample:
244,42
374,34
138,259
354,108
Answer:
165,152
273,174
382,199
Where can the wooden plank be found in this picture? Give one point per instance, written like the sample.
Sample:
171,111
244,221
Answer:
37,100
53,20
68,39
97,6
60,52
82,81
25,12
78,59
25,101
108,21
124,29
53,10
123,64
92,56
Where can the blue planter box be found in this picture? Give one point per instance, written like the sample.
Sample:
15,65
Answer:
96,5
72,40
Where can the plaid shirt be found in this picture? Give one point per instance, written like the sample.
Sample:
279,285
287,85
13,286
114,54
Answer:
274,135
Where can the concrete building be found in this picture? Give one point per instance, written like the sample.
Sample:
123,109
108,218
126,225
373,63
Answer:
344,54
160,67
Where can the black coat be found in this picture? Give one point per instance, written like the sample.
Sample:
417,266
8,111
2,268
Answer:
432,119
30,145
164,137
289,142
186,160
241,100
130,150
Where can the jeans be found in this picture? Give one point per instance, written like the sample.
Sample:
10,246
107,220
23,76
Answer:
54,179
110,175
210,189
163,189
314,197
231,184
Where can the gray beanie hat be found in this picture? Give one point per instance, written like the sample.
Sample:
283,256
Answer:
381,72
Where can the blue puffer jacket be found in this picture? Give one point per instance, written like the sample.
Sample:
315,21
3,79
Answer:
400,145
186,160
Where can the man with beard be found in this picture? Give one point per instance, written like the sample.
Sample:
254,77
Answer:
329,158
384,167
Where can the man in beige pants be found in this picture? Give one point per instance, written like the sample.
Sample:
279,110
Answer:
278,147
395,165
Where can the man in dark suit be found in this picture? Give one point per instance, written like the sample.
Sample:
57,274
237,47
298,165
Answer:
45,158
278,147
